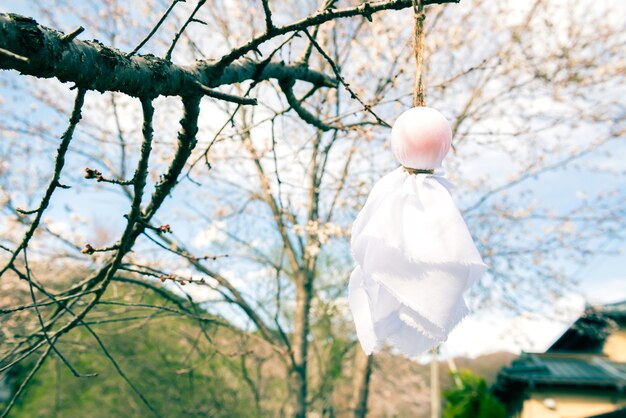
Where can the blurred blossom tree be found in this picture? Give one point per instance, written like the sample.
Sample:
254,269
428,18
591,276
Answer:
245,209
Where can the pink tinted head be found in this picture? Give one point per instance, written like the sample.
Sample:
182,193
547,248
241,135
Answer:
420,138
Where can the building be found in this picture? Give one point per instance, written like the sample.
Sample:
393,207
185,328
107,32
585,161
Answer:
582,375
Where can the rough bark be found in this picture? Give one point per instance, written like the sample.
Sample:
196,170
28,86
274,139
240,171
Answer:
435,395
94,66
42,52
300,346
362,374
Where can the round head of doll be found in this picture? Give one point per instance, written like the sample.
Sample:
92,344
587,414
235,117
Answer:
420,138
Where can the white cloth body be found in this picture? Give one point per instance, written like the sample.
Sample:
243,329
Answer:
414,259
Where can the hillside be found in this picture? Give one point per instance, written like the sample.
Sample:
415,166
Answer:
186,370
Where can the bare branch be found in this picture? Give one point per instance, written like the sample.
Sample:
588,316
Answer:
26,381
295,103
154,29
227,97
346,85
11,55
325,15
168,55
73,34
94,66
59,163
268,16
43,326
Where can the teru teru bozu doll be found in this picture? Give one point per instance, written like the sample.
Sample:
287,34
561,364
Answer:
414,255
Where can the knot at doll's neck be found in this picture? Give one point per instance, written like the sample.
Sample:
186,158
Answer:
417,170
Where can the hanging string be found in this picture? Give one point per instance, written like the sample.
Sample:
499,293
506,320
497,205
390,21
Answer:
419,98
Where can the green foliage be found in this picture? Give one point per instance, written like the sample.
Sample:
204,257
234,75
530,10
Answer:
472,400
176,365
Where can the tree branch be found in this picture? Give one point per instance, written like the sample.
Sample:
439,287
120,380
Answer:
305,115
154,29
324,15
94,66
227,97
26,381
59,163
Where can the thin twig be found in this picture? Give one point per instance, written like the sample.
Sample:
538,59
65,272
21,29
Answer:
168,55
4,311
154,29
225,96
104,275
337,72
106,352
119,370
43,327
12,55
205,154
366,9
59,163
26,381
120,137
68,37
268,16
287,88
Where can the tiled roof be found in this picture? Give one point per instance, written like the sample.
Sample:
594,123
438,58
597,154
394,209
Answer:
620,413
575,370
615,310
590,331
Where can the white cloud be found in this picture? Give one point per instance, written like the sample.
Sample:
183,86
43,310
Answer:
493,331
214,233
610,290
